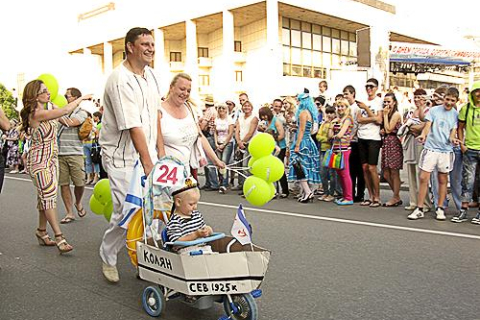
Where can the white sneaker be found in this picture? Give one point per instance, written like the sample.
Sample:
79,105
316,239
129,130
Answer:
416,214
110,273
441,214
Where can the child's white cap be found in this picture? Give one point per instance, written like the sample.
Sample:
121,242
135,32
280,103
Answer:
189,183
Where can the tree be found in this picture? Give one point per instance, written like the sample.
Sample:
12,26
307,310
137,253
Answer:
8,103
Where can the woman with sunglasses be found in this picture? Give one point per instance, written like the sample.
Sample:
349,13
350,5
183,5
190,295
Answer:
42,157
223,136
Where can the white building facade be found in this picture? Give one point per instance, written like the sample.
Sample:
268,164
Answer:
265,48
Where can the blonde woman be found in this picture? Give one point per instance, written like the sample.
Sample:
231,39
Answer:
223,135
341,133
177,124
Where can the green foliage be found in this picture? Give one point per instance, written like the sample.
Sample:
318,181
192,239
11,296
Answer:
7,103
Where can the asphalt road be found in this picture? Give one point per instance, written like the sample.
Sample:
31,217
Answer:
327,262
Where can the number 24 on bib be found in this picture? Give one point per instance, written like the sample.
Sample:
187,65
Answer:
168,173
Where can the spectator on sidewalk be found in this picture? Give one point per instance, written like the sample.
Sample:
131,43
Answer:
70,159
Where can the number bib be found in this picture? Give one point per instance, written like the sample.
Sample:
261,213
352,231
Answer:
168,173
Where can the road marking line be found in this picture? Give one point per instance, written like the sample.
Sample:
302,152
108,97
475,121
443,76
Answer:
361,223
307,216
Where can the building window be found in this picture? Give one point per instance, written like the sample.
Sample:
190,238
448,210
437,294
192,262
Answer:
202,52
237,46
309,49
204,80
238,76
175,56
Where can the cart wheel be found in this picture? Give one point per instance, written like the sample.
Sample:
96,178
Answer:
246,305
153,301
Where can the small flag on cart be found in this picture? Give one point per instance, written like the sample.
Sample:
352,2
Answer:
134,198
241,229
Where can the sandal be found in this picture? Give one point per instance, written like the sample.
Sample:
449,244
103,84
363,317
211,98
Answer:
375,204
366,203
62,245
67,220
81,212
43,238
396,204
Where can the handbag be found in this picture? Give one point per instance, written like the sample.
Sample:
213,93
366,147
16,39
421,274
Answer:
336,161
326,157
197,154
95,153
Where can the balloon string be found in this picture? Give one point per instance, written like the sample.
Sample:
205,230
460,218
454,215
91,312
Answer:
239,161
234,169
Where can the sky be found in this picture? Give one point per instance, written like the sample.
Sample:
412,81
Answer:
37,34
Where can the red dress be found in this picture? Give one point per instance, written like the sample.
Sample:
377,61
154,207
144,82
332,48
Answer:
392,151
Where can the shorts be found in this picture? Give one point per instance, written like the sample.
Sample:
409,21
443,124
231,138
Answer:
443,161
369,151
71,167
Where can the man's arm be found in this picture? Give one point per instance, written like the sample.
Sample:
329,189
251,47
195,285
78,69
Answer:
461,135
422,137
140,144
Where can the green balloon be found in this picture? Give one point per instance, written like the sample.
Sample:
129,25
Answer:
51,83
257,191
96,206
108,210
60,101
261,145
268,168
101,191
273,190
250,163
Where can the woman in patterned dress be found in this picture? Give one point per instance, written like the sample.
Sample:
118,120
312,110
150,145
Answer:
42,157
392,151
304,157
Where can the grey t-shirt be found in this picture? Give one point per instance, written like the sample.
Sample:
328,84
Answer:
69,144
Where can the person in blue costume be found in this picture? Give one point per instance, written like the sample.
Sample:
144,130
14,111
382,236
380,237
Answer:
304,158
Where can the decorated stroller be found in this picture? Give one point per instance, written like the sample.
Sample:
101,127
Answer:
231,275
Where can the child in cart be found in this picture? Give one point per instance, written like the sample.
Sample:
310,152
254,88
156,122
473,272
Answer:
186,222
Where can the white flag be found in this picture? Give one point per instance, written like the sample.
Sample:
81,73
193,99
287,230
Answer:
135,194
241,229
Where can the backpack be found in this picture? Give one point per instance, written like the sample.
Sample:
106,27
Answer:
85,129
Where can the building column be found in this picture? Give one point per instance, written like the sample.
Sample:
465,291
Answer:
379,55
161,65
191,60
107,58
224,86
273,53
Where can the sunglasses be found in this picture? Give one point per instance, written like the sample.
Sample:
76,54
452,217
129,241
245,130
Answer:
221,108
369,86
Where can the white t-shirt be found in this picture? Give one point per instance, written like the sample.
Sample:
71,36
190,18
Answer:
130,101
244,125
179,135
222,126
370,131
354,112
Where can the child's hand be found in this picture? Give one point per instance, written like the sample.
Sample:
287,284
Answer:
205,231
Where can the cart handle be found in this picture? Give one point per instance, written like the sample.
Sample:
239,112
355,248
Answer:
213,237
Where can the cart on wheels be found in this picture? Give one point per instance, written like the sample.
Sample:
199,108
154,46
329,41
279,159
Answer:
230,274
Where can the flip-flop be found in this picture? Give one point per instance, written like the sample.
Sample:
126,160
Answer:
366,203
81,213
67,220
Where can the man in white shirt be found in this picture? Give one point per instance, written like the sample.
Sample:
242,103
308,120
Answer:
370,117
129,133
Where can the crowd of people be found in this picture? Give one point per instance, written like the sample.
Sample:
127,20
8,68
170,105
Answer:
437,142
